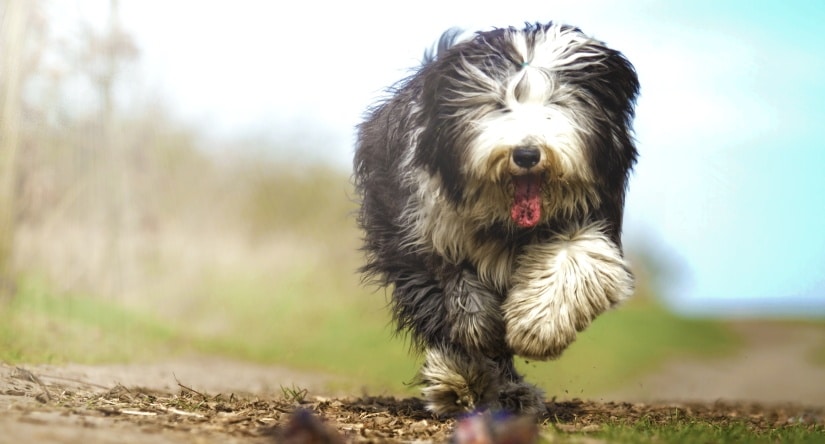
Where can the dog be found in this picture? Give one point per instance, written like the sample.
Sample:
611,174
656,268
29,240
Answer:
491,185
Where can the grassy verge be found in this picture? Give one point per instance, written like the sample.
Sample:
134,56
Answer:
817,355
39,325
325,324
309,323
682,431
297,320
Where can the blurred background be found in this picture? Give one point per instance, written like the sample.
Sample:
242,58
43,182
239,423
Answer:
174,181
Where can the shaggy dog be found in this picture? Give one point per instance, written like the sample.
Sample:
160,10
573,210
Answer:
492,187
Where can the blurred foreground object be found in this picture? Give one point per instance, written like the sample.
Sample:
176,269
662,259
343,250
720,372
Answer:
306,428
486,428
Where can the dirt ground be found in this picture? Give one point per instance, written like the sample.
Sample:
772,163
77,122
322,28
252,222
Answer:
198,400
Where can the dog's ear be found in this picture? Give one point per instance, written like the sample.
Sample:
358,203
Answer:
447,40
608,83
623,81
616,89
438,147
606,86
610,79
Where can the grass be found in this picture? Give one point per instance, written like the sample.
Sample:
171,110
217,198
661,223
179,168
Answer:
691,431
303,321
324,323
39,325
817,355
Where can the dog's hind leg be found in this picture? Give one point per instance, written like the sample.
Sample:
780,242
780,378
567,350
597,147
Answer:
458,321
560,286
456,382
472,369
516,395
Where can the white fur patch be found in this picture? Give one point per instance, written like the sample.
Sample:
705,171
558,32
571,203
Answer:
549,128
537,107
456,383
559,49
433,224
560,286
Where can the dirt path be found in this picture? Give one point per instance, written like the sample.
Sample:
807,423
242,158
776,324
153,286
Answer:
771,382
79,403
205,374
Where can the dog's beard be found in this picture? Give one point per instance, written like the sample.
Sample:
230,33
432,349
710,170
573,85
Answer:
527,200
531,191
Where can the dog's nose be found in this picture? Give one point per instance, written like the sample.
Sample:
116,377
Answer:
526,156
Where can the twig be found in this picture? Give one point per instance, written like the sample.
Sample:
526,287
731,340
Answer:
24,374
138,413
283,410
189,388
177,412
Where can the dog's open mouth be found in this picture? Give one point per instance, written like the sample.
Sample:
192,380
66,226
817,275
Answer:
526,210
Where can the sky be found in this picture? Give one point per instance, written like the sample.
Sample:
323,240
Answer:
730,186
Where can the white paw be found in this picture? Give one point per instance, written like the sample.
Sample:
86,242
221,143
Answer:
457,383
560,286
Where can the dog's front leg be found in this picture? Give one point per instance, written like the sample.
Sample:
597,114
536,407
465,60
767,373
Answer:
560,286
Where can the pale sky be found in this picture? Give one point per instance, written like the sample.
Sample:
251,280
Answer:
731,179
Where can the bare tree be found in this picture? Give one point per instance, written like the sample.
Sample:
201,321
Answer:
103,59
12,39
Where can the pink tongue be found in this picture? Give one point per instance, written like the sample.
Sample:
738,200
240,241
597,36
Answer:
526,210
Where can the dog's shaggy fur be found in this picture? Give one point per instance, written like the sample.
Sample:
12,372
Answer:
492,187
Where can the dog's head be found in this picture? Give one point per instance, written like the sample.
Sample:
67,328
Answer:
514,120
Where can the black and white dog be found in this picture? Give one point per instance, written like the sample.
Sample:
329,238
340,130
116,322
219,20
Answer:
492,187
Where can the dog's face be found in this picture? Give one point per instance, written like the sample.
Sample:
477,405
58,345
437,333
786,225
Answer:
528,124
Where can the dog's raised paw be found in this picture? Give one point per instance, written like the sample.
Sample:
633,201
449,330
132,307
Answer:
560,287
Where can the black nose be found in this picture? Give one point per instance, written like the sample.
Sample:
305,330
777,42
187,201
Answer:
526,156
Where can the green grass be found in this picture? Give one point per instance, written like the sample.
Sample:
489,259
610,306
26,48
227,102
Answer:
325,323
303,321
40,325
817,355
687,431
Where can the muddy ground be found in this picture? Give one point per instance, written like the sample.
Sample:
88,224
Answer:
771,383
